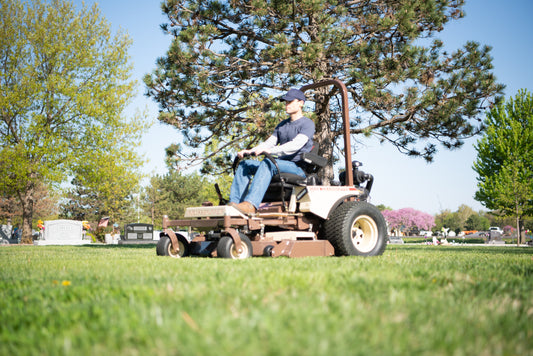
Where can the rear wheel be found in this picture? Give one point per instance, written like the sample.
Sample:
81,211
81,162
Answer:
357,229
164,247
226,247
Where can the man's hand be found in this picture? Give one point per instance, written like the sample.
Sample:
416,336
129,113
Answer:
261,151
257,152
243,153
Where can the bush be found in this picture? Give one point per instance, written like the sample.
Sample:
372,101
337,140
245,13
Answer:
100,232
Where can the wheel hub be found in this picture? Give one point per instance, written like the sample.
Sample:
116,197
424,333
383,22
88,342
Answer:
364,233
242,252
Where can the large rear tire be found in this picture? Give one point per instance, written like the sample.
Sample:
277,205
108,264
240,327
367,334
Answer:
357,229
226,247
164,247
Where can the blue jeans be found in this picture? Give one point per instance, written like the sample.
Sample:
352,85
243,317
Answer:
262,173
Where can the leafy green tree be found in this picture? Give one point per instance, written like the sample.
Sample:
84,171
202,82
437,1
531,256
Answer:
504,163
111,182
171,193
65,82
449,220
463,213
383,207
477,222
81,203
229,58
45,207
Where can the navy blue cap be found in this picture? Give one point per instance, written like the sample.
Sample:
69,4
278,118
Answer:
293,94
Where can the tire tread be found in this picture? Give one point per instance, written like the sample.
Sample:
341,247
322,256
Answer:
338,226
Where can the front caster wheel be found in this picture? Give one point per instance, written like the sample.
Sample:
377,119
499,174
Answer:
267,252
226,247
164,247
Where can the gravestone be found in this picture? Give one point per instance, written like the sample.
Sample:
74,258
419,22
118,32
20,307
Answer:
8,235
112,239
5,232
395,240
138,234
62,232
4,236
495,238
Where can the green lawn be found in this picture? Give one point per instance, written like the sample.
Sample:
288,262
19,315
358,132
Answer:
413,300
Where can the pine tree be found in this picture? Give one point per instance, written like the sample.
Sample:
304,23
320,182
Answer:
229,59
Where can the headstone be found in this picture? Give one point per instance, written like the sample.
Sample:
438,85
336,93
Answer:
8,235
62,232
138,234
5,232
112,239
395,240
495,238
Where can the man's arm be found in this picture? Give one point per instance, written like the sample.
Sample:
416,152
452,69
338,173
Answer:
290,147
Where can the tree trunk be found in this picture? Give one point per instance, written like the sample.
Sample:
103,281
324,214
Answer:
517,222
517,230
26,200
324,137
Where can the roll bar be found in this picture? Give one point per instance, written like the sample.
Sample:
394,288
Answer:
345,119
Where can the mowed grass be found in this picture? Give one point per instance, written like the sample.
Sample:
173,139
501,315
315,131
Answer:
413,300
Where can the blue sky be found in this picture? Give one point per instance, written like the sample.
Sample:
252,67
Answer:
400,181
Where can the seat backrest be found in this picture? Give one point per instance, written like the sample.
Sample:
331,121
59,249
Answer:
277,188
313,161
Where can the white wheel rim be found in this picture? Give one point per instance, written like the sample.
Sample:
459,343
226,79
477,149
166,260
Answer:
181,249
236,255
364,233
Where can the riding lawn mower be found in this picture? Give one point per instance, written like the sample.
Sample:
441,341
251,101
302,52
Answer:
298,217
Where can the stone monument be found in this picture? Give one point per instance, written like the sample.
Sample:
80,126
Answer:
495,238
138,234
395,240
62,232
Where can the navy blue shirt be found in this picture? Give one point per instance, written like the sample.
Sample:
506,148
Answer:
287,130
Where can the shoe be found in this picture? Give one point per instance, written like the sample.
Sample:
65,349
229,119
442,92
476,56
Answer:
245,207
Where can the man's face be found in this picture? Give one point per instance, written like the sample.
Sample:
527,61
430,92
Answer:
294,106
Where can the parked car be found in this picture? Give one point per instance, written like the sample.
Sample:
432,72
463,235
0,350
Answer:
497,229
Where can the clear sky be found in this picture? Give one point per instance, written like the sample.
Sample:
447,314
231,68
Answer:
400,181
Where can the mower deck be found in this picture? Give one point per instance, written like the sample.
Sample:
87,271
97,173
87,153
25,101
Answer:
278,233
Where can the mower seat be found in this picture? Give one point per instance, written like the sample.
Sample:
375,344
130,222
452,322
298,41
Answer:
286,181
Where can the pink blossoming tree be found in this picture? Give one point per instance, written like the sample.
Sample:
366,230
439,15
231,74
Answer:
407,218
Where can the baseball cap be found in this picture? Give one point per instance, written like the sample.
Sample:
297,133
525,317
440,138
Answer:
293,94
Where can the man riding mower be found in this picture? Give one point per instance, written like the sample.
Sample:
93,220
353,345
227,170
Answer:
297,215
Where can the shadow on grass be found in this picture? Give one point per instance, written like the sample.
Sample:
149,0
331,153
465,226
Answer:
121,246
509,250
